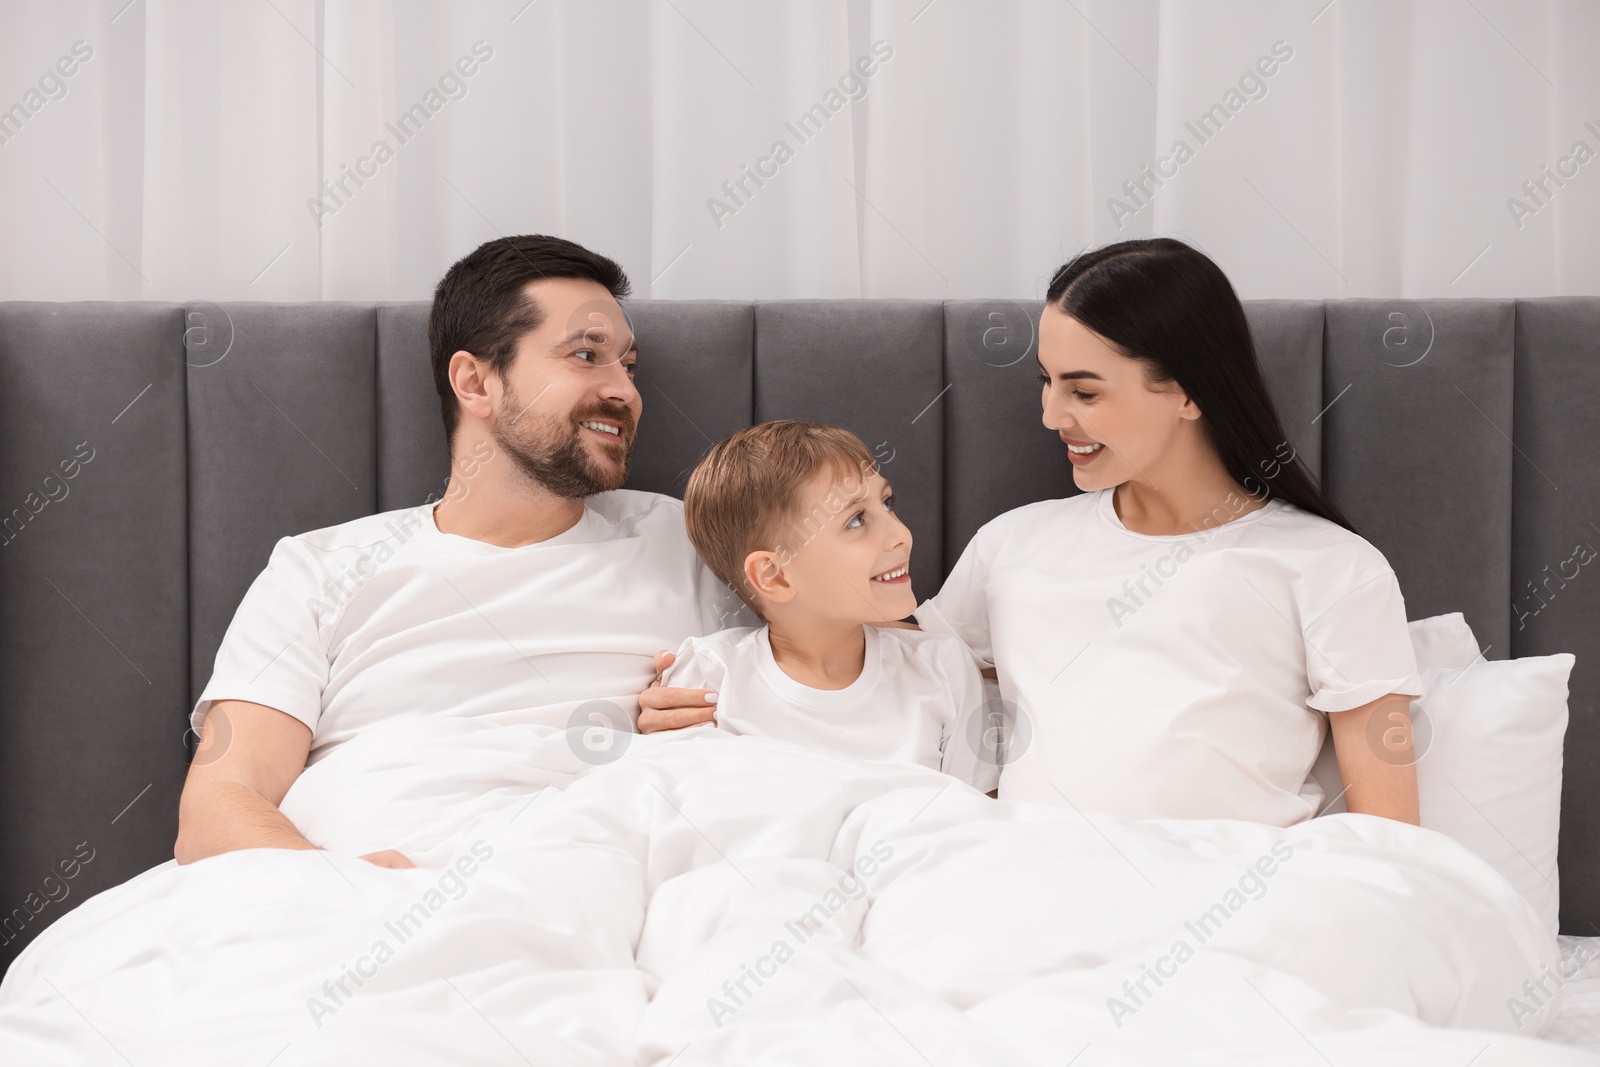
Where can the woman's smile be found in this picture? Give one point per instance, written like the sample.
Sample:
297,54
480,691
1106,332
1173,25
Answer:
1082,453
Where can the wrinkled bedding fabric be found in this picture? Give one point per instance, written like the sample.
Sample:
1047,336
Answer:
697,898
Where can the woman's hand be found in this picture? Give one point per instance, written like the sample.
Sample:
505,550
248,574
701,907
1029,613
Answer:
389,858
1376,759
670,709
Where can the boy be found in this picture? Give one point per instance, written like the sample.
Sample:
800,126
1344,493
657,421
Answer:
797,519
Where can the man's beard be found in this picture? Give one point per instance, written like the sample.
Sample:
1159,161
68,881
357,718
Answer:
551,451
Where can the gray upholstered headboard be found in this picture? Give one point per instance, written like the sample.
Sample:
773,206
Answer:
1462,437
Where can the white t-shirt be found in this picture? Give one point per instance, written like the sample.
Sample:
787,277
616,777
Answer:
387,616
919,699
1175,676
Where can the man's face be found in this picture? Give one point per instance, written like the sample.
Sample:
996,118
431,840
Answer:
569,411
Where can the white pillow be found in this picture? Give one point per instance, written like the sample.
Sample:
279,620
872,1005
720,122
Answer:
1491,775
1444,641
1489,737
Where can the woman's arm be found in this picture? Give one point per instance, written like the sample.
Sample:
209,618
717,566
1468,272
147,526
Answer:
1376,761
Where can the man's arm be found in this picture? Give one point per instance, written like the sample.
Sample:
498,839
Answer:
249,756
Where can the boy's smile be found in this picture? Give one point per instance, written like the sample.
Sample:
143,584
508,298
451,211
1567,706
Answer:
901,573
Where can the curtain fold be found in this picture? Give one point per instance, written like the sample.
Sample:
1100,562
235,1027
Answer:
351,150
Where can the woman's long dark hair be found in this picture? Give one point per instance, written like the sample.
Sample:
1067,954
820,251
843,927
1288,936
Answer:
1168,306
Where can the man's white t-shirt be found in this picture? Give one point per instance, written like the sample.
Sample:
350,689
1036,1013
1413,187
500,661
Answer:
1175,676
919,699
387,616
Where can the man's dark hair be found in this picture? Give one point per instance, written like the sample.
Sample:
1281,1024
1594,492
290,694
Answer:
480,306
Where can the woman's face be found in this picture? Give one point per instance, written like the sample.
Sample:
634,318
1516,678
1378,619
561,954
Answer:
1116,425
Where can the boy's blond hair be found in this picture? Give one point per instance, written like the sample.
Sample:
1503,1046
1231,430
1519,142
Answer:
743,497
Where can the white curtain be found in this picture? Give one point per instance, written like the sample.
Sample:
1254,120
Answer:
353,149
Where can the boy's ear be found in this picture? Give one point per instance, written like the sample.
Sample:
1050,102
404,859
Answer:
763,573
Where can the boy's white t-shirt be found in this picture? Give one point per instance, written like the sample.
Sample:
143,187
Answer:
919,699
1175,676
387,616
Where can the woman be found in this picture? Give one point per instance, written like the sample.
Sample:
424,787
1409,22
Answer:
1175,637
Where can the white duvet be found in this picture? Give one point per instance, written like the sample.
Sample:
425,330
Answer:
707,899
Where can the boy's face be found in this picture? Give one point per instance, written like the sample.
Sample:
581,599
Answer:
846,556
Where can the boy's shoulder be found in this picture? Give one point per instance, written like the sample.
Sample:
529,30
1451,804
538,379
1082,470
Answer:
708,658
729,643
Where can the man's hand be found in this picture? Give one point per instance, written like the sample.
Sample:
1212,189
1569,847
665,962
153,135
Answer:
389,858
669,709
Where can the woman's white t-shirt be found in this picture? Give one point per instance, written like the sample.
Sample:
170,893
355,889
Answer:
919,699
1175,676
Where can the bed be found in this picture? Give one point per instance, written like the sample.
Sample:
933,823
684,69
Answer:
1453,432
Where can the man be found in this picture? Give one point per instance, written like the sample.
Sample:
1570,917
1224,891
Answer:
534,589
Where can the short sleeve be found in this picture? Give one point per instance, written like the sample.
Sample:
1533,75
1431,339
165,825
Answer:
1359,649
967,751
273,653
961,607
696,665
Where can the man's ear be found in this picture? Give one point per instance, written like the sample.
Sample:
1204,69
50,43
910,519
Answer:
469,377
763,573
